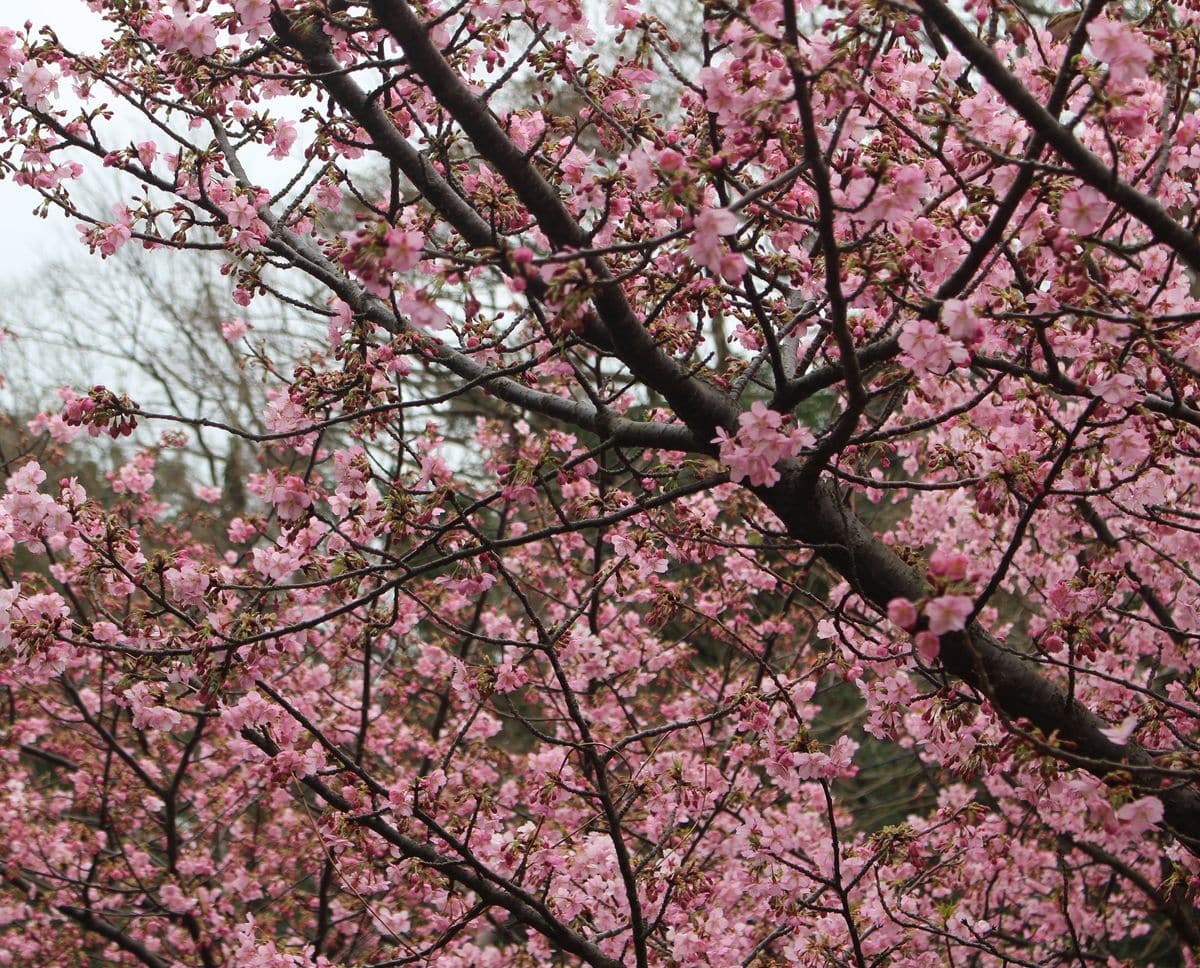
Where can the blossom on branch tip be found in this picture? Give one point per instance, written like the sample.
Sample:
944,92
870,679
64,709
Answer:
234,329
147,152
283,139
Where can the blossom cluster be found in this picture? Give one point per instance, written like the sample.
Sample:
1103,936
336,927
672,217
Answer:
759,444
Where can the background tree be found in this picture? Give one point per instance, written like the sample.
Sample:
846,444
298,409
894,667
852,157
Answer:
852,396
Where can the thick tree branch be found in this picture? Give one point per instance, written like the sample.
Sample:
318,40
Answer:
1012,683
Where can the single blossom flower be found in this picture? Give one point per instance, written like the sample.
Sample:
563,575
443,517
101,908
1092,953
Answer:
1083,210
1141,815
948,613
902,612
929,646
1121,733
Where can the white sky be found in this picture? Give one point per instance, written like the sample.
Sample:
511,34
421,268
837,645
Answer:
27,242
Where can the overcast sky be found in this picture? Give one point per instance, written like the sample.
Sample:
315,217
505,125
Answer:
27,242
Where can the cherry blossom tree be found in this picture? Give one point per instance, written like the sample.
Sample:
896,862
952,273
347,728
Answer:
816,584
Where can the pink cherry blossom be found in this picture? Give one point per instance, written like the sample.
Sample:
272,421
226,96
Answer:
1129,446
147,152
759,445
1121,48
1119,389
11,55
961,322
1141,815
253,14
403,249
706,247
928,646
199,37
187,582
234,329
928,351
902,612
38,83
901,197
948,613
1121,733
950,565
285,137
1083,210
242,211
284,414
291,498
422,311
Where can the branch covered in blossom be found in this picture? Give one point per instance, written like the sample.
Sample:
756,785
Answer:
728,493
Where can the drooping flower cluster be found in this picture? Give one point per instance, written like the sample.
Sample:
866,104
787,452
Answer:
100,411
